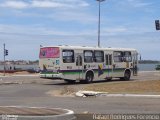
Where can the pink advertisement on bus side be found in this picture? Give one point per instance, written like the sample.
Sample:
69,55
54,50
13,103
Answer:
49,52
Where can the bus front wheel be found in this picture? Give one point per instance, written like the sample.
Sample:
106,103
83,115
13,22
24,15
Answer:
127,75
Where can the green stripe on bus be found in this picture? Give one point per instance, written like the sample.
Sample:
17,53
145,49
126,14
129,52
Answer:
96,71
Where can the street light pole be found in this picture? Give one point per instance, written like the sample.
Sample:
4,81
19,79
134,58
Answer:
99,22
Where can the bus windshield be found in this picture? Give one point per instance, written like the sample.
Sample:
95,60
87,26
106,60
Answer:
49,52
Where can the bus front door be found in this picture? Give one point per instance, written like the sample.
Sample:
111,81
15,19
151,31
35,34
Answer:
109,66
135,68
79,64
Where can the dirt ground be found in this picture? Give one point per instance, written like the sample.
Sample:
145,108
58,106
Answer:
147,82
131,87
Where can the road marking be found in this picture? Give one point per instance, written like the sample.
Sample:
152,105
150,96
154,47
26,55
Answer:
149,71
131,95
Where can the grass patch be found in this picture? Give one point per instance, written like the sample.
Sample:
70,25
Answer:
130,87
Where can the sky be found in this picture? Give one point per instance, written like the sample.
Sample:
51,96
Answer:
27,24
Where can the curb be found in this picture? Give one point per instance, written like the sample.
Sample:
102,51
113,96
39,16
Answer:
105,94
27,113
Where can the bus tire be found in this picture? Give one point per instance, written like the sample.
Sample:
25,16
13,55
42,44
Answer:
127,75
109,79
89,77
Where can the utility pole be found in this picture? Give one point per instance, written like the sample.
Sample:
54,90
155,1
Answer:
99,22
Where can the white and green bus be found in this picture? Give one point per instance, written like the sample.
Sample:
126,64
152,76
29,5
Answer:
77,63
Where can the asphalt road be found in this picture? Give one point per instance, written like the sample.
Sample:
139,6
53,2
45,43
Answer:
34,94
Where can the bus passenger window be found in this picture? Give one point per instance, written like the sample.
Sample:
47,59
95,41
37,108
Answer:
68,56
118,56
99,56
127,56
88,56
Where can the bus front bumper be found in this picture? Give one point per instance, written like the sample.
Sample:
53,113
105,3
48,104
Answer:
53,76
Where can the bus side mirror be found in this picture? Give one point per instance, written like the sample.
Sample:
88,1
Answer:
85,66
140,58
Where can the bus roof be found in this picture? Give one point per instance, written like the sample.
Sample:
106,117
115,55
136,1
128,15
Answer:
91,48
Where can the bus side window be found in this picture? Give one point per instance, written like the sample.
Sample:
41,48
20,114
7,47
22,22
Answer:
118,56
68,56
98,56
127,56
88,56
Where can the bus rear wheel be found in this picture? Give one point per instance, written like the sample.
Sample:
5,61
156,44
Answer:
89,77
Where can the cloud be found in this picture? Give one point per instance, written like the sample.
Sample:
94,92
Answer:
14,4
44,4
40,30
59,3
29,30
60,10
79,16
139,3
114,31
48,4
